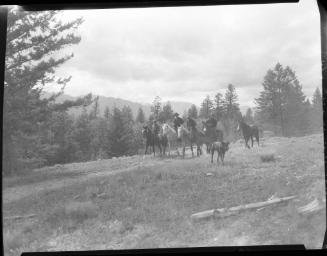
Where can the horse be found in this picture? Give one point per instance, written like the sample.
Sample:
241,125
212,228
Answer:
147,134
212,134
186,138
199,138
158,139
171,136
163,140
248,132
221,148
150,139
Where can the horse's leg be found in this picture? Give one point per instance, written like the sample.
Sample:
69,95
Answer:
183,151
159,147
168,148
153,149
177,148
192,150
246,142
212,152
252,140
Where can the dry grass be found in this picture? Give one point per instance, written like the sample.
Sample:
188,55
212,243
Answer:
149,206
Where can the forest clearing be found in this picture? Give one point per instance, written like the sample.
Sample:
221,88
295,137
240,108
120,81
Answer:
146,202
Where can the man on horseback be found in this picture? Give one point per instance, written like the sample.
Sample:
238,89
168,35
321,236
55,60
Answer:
212,122
177,121
155,127
191,125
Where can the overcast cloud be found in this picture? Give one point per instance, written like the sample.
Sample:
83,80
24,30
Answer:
185,53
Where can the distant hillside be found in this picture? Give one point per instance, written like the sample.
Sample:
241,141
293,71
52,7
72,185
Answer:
111,102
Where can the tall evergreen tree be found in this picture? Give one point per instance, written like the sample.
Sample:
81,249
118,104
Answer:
166,113
317,110
219,105
140,118
95,108
249,116
193,112
282,100
33,41
107,113
230,103
206,107
82,135
156,107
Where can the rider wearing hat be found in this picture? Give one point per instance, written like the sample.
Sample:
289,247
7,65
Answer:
155,126
212,122
177,121
190,123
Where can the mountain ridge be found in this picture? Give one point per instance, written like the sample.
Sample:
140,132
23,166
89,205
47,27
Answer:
111,102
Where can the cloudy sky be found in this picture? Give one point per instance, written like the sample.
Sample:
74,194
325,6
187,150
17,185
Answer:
186,53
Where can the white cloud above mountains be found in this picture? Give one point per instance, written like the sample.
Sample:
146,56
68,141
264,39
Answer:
185,53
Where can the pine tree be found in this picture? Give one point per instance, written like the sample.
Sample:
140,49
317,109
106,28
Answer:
156,107
95,109
140,118
166,113
230,103
193,112
219,106
206,107
82,136
128,137
107,113
98,144
249,116
317,110
282,100
33,41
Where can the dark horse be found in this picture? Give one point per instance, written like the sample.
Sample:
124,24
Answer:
212,133
153,138
248,132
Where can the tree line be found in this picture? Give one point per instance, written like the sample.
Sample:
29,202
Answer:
39,131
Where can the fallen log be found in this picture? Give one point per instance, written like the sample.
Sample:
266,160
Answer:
19,217
223,212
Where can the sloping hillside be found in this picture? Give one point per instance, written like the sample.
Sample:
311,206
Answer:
146,202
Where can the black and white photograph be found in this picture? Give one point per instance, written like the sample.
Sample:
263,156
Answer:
163,127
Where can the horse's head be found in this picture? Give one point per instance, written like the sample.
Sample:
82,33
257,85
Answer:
225,145
165,128
204,127
145,131
240,124
180,131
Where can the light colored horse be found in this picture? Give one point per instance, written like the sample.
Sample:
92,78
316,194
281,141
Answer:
186,138
171,136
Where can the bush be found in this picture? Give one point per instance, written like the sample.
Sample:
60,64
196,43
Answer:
268,158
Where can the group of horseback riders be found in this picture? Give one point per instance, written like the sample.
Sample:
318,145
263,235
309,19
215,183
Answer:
190,123
154,133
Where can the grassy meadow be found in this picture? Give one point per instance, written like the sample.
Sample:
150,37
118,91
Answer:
146,202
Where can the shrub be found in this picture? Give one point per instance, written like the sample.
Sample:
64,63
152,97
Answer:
268,158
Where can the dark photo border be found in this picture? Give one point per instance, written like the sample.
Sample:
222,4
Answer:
31,5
